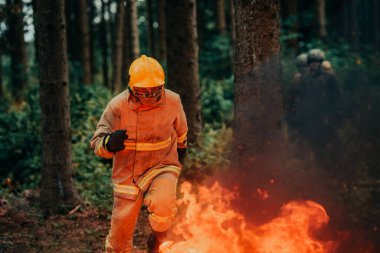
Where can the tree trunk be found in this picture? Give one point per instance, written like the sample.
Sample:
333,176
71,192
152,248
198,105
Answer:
1,70
221,17
17,49
127,47
71,11
118,46
257,138
290,16
92,37
57,175
104,45
134,29
161,30
150,35
354,25
182,61
321,10
376,26
85,42
34,6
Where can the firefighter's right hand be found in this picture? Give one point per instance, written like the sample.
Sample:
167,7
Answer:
115,142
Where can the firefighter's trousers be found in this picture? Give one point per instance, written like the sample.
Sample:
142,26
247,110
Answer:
160,200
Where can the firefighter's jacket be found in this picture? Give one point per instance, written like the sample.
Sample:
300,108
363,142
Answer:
154,134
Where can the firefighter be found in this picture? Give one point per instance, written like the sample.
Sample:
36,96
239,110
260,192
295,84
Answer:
318,110
144,130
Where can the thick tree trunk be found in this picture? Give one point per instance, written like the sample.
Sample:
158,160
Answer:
57,176
85,42
134,29
118,47
290,15
104,45
150,35
257,137
161,29
17,49
127,47
221,17
321,10
182,61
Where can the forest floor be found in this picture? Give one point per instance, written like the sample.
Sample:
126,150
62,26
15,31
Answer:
23,229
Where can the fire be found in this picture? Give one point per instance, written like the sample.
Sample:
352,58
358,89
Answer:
209,225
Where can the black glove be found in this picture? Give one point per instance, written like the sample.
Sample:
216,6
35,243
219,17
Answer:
181,155
115,142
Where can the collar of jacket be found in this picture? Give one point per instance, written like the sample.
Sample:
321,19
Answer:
135,104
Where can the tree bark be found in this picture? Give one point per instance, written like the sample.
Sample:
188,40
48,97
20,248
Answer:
221,17
182,61
258,107
321,10
57,175
150,35
104,45
19,66
134,29
85,42
92,37
161,29
118,47
127,47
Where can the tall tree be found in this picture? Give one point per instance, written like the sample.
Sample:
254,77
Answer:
321,10
376,26
258,112
290,20
118,47
92,36
221,16
104,44
57,185
17,48
85,57
182,60
135,47
34,6
150,35
1,69
161,29
127,46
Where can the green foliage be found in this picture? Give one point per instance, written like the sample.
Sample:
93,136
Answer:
211,155
217,101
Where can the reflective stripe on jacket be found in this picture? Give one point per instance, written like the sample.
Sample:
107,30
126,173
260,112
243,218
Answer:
154,134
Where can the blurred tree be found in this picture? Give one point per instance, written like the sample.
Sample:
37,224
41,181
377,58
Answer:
34,6
161,30
221,17
93,38
1,69
290,21
321,10
127,46
71,12
104,44
118,47
57,187
150,34
135,46
85,42
17,49
182,60
376,26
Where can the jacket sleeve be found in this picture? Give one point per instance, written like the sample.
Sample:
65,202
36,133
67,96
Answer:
107,124
180,126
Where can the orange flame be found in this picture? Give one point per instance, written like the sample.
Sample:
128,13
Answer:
209,225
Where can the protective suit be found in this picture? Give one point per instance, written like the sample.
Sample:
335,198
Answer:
147,168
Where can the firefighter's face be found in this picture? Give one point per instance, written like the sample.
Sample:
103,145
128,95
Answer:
314,65
148,96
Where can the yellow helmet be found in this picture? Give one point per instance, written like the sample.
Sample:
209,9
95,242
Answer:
146,72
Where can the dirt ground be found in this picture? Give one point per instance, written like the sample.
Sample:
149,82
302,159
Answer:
22,229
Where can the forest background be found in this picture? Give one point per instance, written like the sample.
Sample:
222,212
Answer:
104,36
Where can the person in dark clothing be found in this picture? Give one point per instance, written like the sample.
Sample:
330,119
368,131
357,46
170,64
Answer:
317,111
